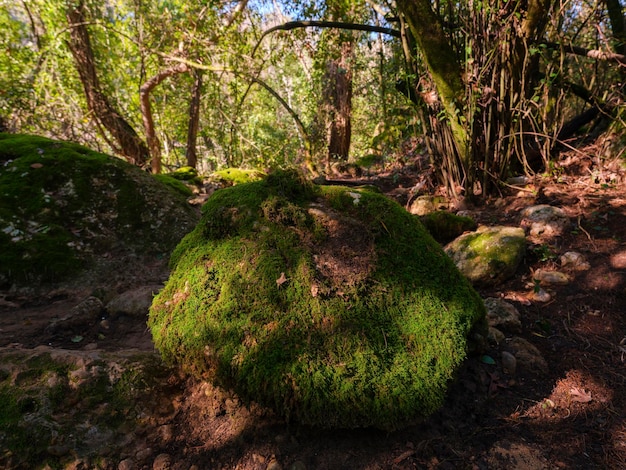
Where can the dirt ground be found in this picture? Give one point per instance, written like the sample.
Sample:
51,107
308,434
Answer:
571,415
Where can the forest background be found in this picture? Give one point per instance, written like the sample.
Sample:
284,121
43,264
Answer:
487,90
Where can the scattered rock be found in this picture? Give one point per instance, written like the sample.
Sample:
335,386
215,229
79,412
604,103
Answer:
495,335
551,278
503,314
162,462
274,465
574,261
490,255
85,313
127,464
527,355
509,363
544,221
134,303
541,295
425,204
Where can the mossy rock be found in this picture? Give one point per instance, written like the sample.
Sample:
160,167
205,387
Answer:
489,255
233,176
445,226
63,205
333,306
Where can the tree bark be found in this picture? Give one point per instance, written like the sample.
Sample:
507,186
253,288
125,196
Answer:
340,84
146,112
129,144
194,120
443,65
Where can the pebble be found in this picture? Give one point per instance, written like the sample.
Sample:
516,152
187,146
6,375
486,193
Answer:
575,261
509,363
551,278
541,296
162,462
127,464
503,314
495,335
274,465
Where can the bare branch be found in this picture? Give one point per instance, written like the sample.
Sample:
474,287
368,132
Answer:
591,53
327,24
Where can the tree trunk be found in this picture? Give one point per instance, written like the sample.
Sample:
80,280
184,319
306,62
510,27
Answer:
443,65
194,120
128,143
146,112
340,77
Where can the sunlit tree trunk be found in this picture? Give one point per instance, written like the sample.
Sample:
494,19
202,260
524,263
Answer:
340,97
127,142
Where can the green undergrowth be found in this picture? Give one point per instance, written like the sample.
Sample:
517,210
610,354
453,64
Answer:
238,175
61,204
331,305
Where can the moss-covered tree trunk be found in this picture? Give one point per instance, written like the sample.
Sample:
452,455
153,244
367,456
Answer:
443,65
340,97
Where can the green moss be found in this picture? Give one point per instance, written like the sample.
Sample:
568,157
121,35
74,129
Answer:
174,183
445,227
238,175
61,203
333,306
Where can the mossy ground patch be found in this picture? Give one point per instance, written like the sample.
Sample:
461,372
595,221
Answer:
333,306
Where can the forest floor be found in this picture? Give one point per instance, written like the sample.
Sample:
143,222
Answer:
570,415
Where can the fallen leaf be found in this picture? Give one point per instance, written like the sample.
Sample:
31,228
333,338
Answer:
37,165
281,280
77,339
580,395
314,290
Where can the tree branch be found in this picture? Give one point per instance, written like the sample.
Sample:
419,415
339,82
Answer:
326,24
591,53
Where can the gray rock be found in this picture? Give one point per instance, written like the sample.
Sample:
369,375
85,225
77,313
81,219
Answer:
133,303
489,255
527,355
574,261
544,221
502,314
426,204
551,278
86,312
495,336
509,363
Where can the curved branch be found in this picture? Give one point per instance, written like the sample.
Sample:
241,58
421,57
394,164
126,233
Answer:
591,53
326,24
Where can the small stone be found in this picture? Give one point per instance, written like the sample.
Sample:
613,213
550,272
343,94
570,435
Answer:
528,355
274,465
495,336
503,314
58,450
127,464
544,221
551,278
297,465
541,296
574,261
162,462
91,347
134,303
509,363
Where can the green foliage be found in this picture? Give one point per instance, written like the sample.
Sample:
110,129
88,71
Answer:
60,203
265,298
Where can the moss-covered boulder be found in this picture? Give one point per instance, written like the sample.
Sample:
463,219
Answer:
490,255
331,305
63,205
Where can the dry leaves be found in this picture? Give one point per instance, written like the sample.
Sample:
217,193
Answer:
580,395
281,280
